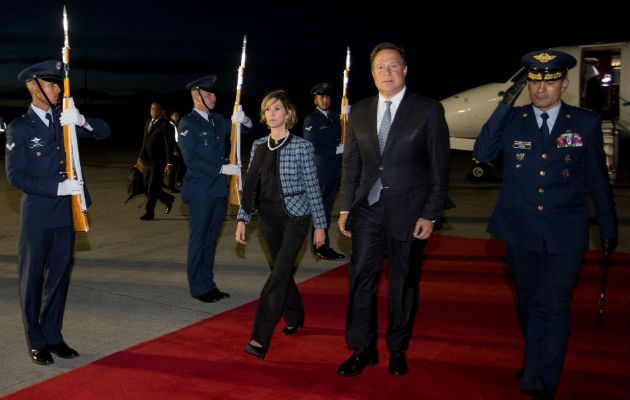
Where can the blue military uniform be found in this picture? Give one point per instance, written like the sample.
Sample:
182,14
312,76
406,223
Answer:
202,143
542,212
35,164
323,129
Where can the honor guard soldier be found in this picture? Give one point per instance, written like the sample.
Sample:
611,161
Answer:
322,128
552,152
202,135
35,164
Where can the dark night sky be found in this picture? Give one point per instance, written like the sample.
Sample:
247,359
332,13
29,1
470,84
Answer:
133,46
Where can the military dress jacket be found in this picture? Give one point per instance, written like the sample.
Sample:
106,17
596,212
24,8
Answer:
298,179
325,134
36,163
542,199
202,144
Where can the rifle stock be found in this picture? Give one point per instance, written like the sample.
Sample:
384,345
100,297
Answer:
73,164
234,195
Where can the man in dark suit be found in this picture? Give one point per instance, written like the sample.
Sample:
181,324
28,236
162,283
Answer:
35,164
322,128
552,151
156,156
393,189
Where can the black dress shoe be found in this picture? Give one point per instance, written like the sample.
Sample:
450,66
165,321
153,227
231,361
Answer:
519,374
259,352
147,217
541,394
397,363
321,252
360,359
63,350
169,205
333,255
212,296
291,330
40,356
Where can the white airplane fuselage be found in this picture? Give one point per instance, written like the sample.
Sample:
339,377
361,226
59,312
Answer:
466,112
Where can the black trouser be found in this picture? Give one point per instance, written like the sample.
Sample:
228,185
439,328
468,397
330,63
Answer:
284,236
153,177
370,238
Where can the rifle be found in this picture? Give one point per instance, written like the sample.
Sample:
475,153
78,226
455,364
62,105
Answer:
73,164
236,186
344,97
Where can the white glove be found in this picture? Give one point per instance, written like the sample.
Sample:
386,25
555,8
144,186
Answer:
346,109
71,116
69,187
240,118
230,169
339,149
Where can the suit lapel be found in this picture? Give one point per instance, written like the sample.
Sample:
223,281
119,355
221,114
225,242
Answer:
370,118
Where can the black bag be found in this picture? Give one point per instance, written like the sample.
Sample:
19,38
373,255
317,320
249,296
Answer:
135,184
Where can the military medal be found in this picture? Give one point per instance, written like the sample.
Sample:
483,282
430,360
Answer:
520,156
565,173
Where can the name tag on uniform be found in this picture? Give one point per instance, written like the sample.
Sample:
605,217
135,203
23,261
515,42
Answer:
569,139
522,144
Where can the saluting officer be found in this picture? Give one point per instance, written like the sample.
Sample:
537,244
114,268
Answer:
322,128
552,151
35,163
202,135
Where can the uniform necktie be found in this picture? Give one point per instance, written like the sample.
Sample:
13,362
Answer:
544,128
51,126
386,123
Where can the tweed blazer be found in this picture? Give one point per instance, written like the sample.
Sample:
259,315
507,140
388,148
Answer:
298,179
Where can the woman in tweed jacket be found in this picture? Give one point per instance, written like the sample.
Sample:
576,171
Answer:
281,185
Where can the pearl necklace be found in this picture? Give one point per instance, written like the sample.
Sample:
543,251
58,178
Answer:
274,148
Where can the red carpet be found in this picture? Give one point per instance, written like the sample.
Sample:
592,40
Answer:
466,343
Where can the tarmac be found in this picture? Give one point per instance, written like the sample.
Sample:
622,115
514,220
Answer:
129,284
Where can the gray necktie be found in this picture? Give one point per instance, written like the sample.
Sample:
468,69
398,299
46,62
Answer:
386,123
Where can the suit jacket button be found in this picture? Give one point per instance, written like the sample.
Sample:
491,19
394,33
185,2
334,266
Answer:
543,173
540,208
541,190
544,156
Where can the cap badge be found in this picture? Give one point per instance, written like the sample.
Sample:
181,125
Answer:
544,57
